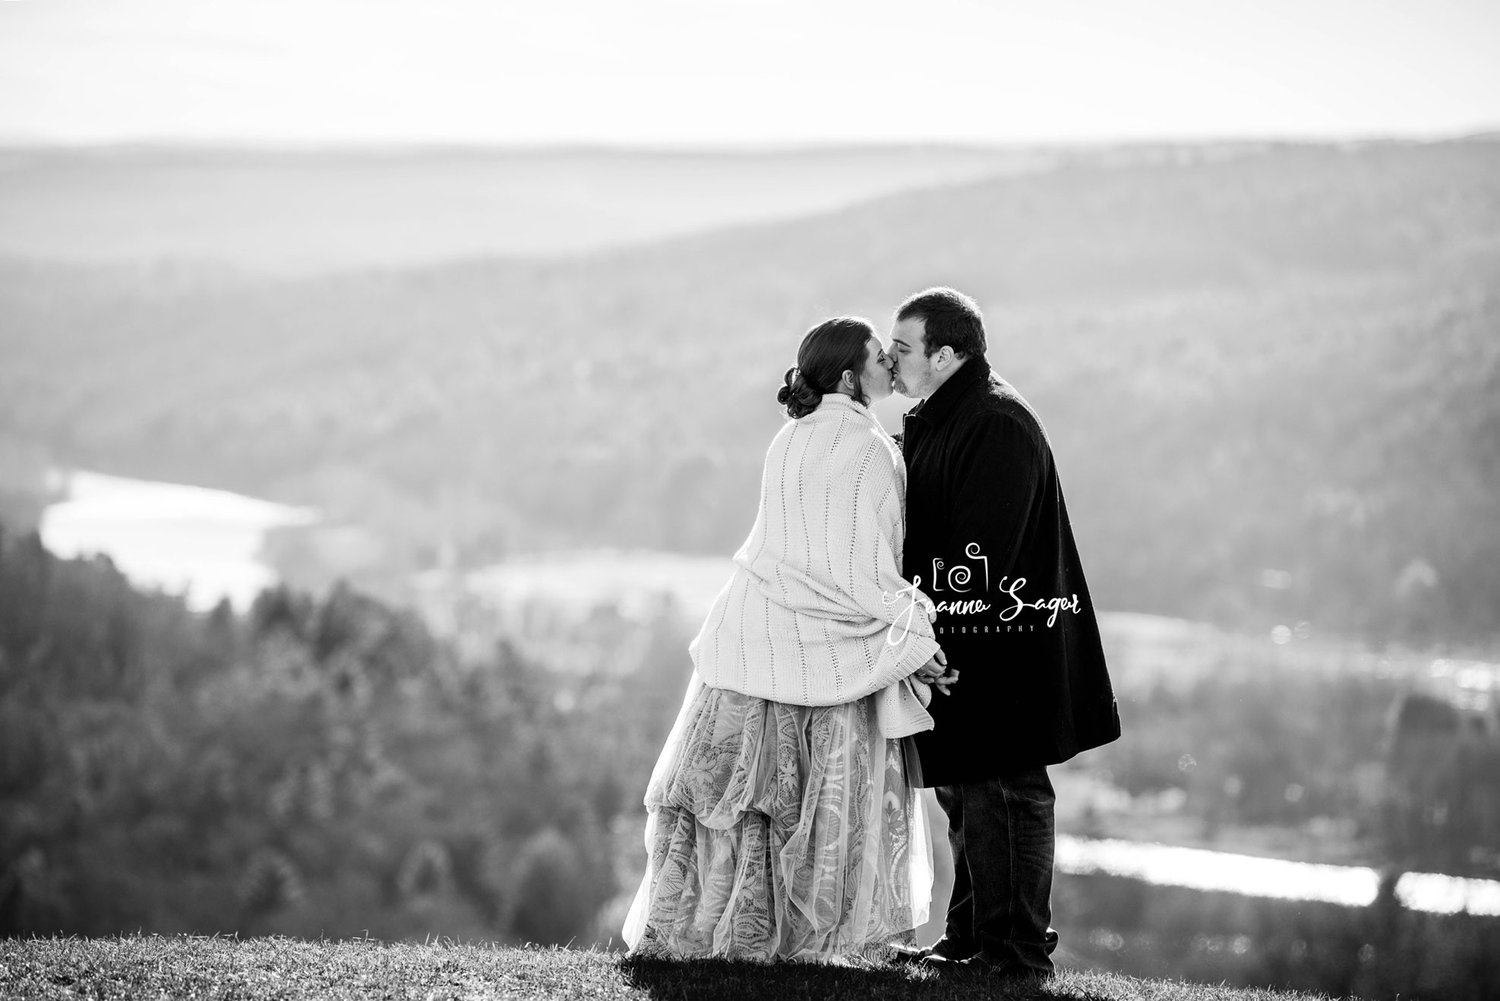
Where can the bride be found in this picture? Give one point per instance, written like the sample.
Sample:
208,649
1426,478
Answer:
783,817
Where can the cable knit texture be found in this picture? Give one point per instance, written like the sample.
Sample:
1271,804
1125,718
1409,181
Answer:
817,612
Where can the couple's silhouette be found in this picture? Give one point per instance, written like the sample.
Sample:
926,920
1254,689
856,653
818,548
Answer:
906,612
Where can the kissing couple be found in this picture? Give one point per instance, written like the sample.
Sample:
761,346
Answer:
783,816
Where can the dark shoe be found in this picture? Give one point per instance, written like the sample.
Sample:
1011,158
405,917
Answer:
942,951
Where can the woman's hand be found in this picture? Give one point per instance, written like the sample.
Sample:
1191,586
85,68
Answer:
937,673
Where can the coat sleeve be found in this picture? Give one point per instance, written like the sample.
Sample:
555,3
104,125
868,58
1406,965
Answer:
1000,467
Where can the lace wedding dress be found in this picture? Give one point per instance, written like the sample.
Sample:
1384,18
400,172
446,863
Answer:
779,831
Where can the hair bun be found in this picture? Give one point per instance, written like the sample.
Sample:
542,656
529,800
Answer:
798,395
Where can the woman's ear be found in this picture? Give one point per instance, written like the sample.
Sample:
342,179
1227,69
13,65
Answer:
847,379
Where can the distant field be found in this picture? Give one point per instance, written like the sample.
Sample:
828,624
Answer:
307,212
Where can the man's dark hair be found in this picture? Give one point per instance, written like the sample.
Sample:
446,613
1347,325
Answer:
949,319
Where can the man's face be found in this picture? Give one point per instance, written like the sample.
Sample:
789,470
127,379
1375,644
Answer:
915,376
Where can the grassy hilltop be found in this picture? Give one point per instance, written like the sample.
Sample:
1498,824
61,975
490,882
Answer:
282,968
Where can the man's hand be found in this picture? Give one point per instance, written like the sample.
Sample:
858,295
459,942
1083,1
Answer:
937,673
946,682
935,668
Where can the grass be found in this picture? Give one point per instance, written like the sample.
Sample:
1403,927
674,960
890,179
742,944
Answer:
260,969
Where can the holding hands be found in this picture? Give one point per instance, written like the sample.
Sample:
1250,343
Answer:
937,673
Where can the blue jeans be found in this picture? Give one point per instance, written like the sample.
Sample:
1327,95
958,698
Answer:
1002,835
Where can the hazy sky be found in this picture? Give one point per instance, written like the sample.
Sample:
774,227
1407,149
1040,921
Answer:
744,71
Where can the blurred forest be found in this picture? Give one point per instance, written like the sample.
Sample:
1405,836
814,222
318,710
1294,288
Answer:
1256,753
325,766
1382,951
1271,375
313,767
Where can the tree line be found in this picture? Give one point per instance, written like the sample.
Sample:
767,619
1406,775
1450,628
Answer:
316,766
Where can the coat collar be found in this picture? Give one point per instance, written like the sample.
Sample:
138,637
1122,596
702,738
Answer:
936,408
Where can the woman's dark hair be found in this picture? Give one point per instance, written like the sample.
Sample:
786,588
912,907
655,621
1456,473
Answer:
826,353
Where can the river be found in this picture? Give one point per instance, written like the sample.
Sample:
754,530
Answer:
205,544
200,543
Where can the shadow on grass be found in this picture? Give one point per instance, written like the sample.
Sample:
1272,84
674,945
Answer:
713,979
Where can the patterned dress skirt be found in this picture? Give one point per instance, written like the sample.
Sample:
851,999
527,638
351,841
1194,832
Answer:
779,832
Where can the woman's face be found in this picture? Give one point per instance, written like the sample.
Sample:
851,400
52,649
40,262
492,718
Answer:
877,374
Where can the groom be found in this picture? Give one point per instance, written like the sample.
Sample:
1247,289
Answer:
988,539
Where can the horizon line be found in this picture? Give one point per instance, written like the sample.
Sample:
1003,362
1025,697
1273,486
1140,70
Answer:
775,147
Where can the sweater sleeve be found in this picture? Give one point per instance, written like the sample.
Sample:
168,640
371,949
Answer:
873,581
909,640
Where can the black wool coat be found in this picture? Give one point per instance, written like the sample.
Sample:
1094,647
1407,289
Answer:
988,539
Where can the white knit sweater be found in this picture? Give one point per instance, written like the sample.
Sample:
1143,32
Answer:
817,612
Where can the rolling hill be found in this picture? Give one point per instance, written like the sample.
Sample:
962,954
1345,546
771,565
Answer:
1280,358
293,212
